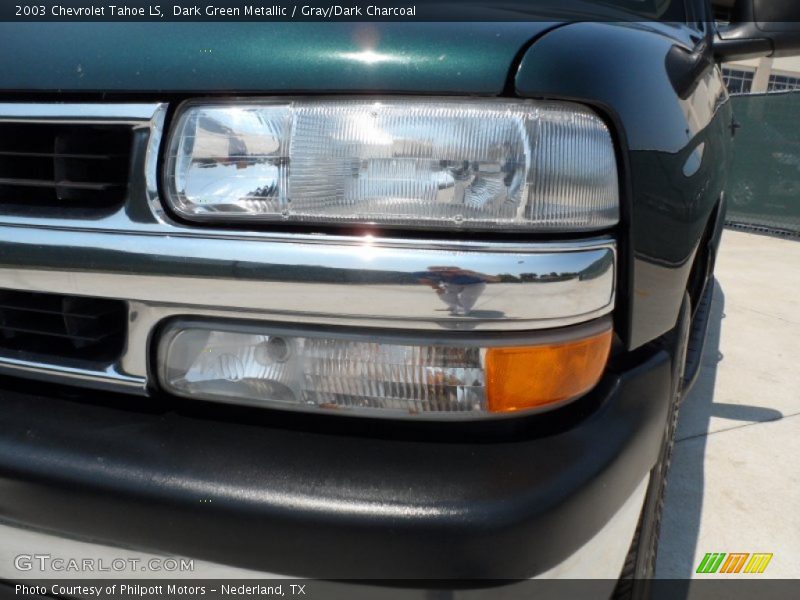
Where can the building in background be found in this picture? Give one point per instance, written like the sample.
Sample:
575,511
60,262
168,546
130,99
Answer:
759,75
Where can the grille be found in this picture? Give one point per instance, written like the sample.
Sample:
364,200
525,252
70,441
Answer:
64,166
53,325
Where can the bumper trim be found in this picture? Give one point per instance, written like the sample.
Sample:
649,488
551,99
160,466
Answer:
601,558
518,288
318,502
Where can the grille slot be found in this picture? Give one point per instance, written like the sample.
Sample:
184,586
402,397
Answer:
54,325
65,166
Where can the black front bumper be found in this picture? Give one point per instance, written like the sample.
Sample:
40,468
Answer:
328,504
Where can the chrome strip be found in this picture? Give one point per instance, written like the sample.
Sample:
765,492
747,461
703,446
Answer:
77,113
110,378
416,288
151,164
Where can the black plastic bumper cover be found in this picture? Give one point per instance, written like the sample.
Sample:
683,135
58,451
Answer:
325,505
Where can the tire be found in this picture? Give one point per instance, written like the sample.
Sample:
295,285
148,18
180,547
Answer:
640,564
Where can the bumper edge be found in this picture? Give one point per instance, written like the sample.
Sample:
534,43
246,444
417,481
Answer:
324,505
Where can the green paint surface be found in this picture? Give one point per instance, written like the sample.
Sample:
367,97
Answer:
453,58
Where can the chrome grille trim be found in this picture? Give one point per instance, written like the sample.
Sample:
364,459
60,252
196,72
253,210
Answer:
101,113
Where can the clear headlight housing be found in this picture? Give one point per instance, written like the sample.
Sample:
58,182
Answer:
361,374
440,163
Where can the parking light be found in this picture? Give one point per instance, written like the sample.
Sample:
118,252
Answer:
367,375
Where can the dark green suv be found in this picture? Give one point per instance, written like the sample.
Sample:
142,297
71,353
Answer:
360,300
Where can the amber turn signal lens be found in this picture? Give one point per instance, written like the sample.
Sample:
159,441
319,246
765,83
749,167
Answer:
533,376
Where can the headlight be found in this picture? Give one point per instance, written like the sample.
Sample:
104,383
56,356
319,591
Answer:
267,366
483,164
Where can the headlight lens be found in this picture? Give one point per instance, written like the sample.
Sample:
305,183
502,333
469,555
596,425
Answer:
251,364
484,164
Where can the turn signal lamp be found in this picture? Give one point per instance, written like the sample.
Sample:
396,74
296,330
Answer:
531,376
373,376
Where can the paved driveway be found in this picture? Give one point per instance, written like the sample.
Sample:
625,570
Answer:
734,484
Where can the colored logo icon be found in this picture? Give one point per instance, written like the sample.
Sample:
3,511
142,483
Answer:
734,562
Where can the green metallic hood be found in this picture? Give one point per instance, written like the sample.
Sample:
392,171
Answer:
466,58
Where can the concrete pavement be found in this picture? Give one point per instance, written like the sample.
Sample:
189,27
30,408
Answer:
734,484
